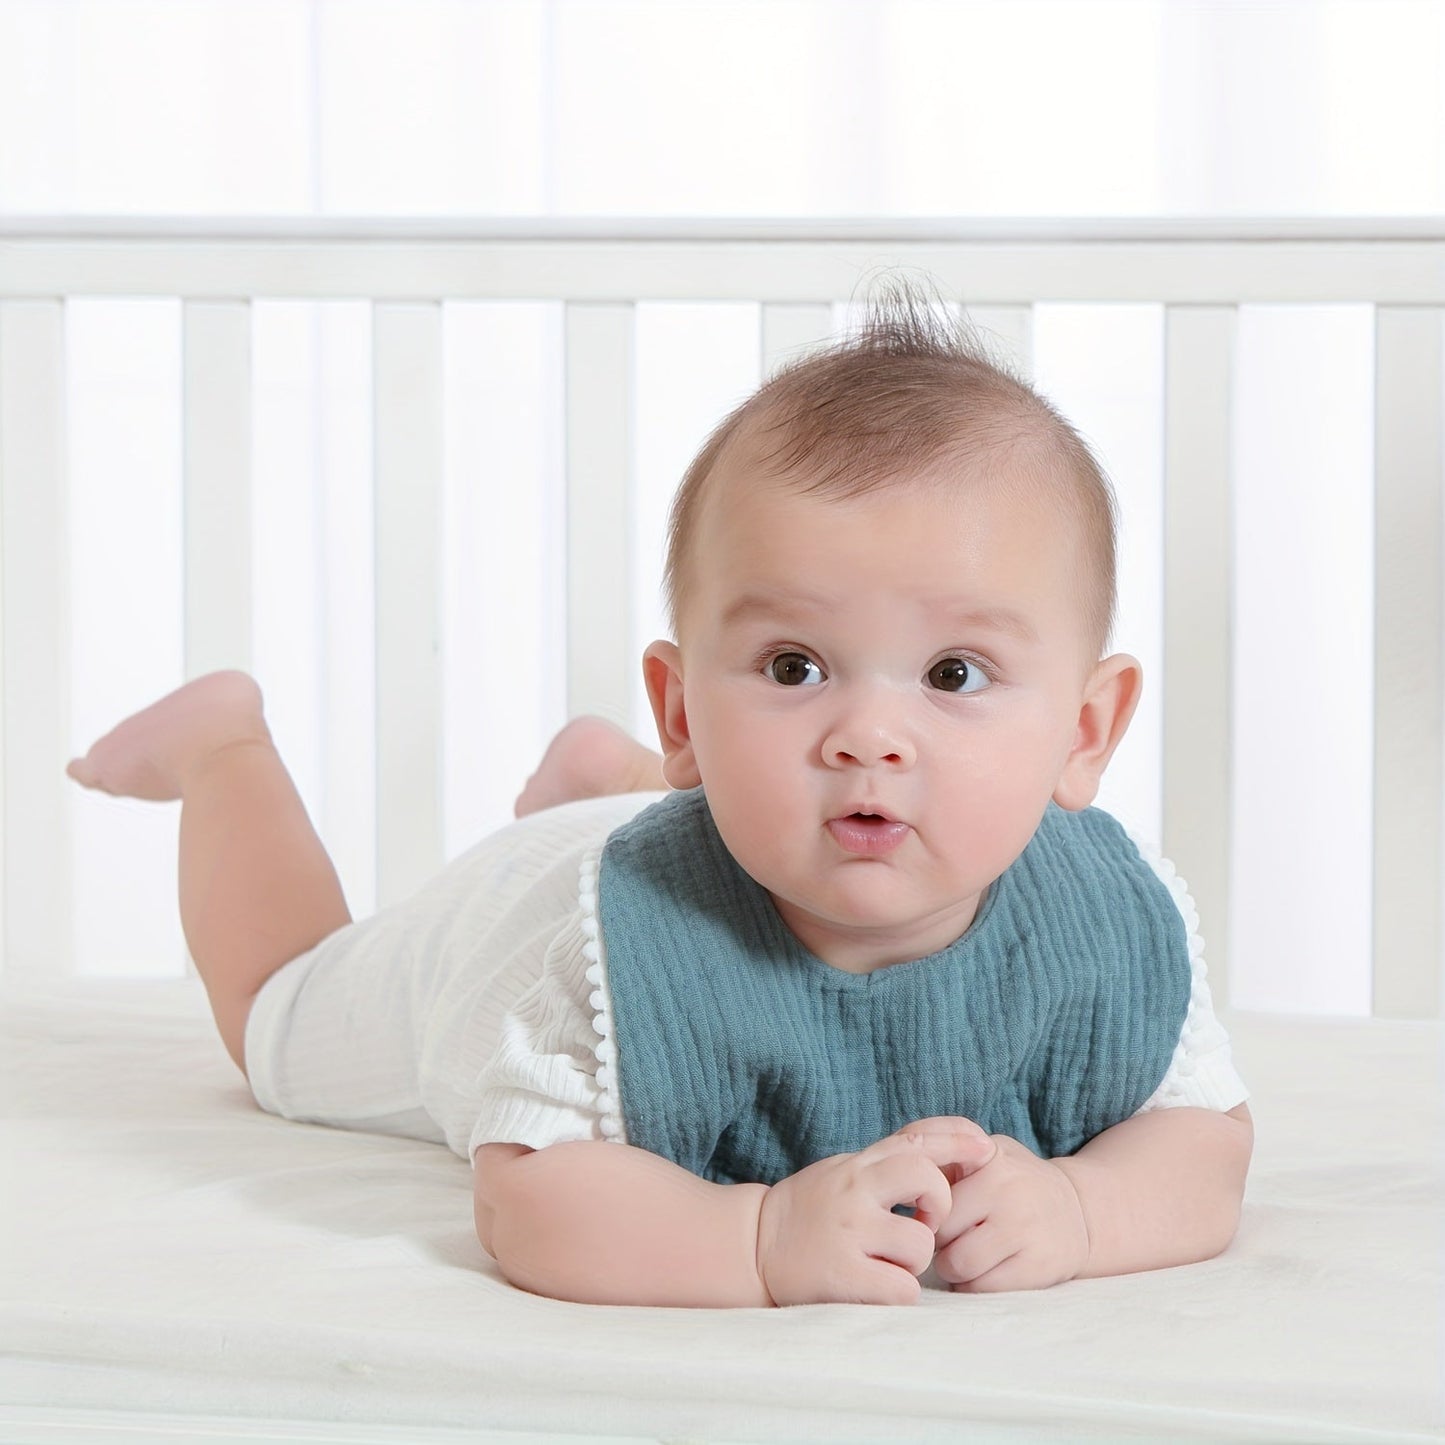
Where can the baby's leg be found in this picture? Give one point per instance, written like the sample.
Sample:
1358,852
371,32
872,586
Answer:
256,885
590,758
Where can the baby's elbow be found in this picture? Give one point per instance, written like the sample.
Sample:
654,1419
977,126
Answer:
493,1185
516,1207
1226,1226
1230,1208
1243,1143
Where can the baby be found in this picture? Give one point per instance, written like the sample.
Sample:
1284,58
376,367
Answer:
873,988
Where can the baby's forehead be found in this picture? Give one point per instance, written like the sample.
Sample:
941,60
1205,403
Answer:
918,567
758,523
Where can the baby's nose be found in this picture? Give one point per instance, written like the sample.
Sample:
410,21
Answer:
868,742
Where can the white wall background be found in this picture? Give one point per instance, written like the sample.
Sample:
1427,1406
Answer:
677,107
722,107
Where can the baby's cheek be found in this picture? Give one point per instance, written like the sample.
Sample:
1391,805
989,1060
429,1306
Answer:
752,820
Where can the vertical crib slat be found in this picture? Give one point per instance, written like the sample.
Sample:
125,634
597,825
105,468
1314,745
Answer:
1011,330
36,636
407,370
1199,368
217,482
599,389
790,329
1409,673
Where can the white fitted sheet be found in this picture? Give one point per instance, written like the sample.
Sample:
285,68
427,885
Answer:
169,1250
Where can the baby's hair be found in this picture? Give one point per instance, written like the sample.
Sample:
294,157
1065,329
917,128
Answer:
912,386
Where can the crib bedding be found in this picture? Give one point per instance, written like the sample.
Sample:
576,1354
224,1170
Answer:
170,1251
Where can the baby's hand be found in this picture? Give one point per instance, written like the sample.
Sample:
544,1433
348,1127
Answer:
1015,1224
828,1233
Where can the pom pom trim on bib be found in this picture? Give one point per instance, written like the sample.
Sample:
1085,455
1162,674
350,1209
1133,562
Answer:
600,1001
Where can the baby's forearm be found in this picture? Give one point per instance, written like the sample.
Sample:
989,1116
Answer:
603,1223
1162,1188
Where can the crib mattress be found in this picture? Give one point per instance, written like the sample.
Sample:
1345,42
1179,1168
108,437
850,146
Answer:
171,1254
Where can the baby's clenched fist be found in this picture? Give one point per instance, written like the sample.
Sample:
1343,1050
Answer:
829,1234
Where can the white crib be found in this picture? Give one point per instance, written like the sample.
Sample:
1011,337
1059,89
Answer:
1200,273
71,1370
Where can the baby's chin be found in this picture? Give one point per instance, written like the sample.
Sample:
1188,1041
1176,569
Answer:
860,936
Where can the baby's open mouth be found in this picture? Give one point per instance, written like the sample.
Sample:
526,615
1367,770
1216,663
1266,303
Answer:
868,835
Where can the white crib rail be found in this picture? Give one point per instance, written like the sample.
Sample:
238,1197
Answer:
216,435
407,361
599,458
1200,271
33,592
1409,656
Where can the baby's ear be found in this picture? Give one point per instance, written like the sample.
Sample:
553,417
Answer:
662,672
1110,697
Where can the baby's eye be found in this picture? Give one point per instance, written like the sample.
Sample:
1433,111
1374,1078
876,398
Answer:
954,674
794,669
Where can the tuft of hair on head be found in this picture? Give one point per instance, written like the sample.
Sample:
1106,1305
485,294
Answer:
912,385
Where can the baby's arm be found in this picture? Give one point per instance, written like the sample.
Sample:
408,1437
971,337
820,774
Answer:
1162,1188
606,1223
1159,1189
603,1223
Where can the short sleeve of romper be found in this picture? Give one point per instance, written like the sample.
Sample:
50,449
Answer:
1201,1073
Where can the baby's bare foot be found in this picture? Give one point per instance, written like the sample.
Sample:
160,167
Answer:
150,754
590,758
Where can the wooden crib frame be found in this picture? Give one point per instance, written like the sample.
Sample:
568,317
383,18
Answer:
1199,271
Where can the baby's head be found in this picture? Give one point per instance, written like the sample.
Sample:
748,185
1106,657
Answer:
913,398
891,575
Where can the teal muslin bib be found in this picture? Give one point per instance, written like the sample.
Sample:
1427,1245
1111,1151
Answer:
743,1057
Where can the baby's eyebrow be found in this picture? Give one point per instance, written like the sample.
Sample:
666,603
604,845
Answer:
995,619
787,602
772,603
